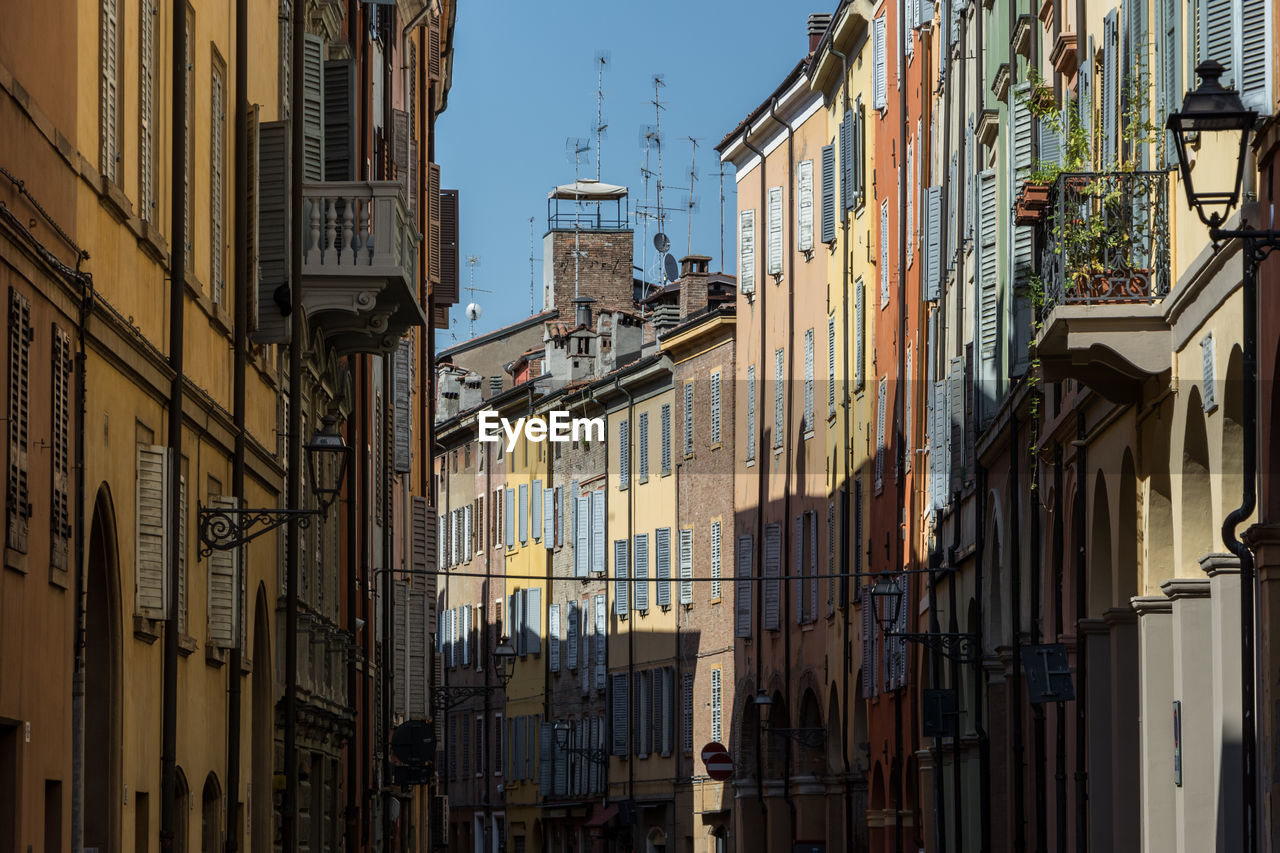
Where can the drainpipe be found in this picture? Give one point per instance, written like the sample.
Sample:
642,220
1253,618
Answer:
1060,762
1082,660
631,634
787,443
979,678
240,350
1015,612
293,488
177,300
847,599
762,453
898,415
81,583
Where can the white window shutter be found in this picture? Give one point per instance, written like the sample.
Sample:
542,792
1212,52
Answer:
599,518
640,573
1209,385
779,389
911,195
109,73
582,538
151,531
773,575
622,587
775,231
686,567
535,507
146,110
601,649
831,367
879,99
642,442
808,425
553,640
747,251
751,411
1257,48
688,419
524,513
715,560
742,588
881,393
624,454
716,711
931,217
182,555
662,566
883,259
859,334
804,188
224,587
510,519
549,518
466,532
715,406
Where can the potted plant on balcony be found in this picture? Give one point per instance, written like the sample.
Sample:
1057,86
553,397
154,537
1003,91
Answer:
1033,197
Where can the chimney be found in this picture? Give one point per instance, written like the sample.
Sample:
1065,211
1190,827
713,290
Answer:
818,23
582,311
693,284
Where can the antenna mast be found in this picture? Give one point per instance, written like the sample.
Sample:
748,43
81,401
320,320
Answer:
576,147
602,59
532,274
657,113
692,202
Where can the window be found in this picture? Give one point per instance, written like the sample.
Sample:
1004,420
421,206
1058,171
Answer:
686,567
747,252
715,561
878,98
624,454
807,426
622,587
804,203
686,691
479,746
662,566
60,455
881,392
828,192
775,231
779,388
715,704
524,513
666,439
688,419
742,587
147,25
640,573
643,441
109,74
751,412
883,260
715,408
497,744
859,334
772,576
217,180
831,367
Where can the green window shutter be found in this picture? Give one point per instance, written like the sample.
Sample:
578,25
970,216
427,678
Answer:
312,108
742,587
340,120
828,194
662,566
275,232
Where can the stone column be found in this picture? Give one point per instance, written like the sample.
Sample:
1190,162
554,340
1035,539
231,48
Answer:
1155,649
1195,799
1224,584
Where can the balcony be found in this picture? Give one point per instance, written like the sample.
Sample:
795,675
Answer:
359,264
1105,272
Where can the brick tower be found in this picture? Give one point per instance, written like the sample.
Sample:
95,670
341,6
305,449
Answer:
593,217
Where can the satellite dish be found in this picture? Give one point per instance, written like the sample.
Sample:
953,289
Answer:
671,268
473,312
661,242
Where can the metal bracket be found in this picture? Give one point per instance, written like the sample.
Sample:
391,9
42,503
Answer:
963,648
225,529
445,697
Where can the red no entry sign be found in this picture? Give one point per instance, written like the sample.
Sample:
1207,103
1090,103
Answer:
711,749
719,766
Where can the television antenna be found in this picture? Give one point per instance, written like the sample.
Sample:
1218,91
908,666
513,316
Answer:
602,60
690,200
532,269
577,147
473,309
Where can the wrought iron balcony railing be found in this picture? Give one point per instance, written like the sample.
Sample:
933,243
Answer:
1106,239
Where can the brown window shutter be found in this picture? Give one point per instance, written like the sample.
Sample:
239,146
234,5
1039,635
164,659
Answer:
433,223
19,497
433,50
448,291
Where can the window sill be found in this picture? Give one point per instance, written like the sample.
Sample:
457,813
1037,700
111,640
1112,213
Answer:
147,630
16,560
186,644
807,435
214,656
640,481
58,577
716,445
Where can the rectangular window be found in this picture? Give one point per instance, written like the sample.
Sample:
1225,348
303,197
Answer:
859,334
642,439
640,573
828,194
686,567
715,408
715,561
779,389
772,577
217,180
189,177
715,704
807,426
688,419
883,260
18,500
60,455
479,746
523,513
498,741
804,204
744,557
747,252
510,518
662,566
147,25
622,586
624,454
881,393
775,231
751,412
686,690
879,98
109,74
666,439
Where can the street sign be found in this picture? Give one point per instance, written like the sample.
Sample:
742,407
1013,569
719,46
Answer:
719,766
711,749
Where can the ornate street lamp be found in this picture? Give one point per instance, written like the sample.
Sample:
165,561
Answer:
886,601
447,696
227,528
764,706
504,660
561,731
1213,109
1211,112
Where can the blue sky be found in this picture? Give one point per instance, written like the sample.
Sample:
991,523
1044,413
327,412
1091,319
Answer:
524,81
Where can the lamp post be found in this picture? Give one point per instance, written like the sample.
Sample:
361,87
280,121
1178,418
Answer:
1212,112
561,731
886,599
448,696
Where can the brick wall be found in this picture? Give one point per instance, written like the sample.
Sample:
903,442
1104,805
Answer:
603,270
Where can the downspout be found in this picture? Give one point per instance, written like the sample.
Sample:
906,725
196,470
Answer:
81,582
240,352
1037,619
979,678
762,454
1082,668
1059,542
1015,616
846,597
788,452
177,304
900,475
293,489
1230,538
631,634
